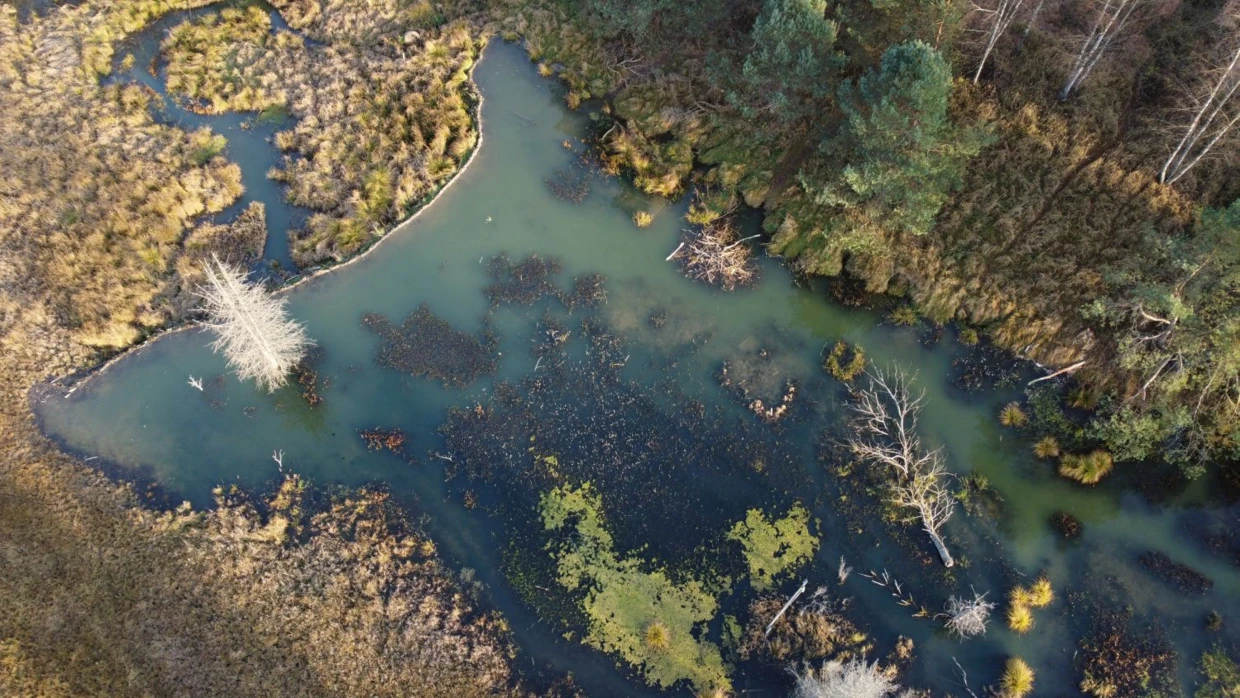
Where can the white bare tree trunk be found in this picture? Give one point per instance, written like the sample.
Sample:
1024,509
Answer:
1033,16
887,428
1209,125
253,328
1109,23
1000,19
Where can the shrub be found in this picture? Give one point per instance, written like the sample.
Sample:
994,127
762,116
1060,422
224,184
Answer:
968,336
642,219
1013,416
1017,678
1046,447
1020,618
1087,469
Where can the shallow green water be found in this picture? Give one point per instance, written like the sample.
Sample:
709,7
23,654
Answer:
142,418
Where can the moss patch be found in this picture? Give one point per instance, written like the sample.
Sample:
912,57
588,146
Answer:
626,597
774,547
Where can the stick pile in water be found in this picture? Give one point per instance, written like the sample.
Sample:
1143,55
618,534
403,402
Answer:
714,255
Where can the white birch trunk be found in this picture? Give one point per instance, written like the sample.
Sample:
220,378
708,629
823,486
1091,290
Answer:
1109,23
1205,124
1001,19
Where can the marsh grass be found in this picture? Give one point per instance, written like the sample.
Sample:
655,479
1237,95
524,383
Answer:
1088,468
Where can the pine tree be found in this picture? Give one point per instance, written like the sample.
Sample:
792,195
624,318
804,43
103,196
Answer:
791,68
898,154
253,329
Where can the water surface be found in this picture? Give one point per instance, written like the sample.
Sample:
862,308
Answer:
141,417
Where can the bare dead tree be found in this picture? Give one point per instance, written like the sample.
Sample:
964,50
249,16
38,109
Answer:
886,427
968,617
1000,18
1212,120
1109,23
253,328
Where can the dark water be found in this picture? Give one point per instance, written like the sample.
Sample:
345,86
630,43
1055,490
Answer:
250,139
673,474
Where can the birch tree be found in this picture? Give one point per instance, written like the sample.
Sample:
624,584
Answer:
1211,122
1109,23
886,437
253,329
1000,18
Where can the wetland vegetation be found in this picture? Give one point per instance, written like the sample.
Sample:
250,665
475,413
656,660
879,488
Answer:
533,453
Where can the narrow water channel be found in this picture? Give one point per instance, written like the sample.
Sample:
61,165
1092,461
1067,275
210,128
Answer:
143,420
250,136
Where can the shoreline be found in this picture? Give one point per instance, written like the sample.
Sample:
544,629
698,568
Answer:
73,381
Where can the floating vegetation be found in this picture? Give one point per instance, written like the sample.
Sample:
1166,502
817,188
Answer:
1013,416
428,346
571,184
774,548
642,219
845,362
815,629
635,611
308,378
523,282
1087,469
378,439
1119,660
1065,523
1183,577
756,381
589,291
1221,673
647,450
984,367
716,254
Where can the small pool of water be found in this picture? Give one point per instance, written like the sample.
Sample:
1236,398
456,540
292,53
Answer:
142,418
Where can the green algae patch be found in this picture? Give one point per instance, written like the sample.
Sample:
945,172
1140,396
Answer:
774,547
634,611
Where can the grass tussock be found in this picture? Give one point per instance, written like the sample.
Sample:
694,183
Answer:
1088,468
1017,680
380,99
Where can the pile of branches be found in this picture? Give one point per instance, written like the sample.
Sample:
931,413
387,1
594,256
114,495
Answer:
714,255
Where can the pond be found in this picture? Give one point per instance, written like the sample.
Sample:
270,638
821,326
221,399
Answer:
626,394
